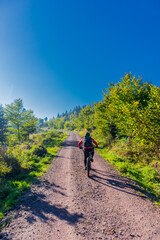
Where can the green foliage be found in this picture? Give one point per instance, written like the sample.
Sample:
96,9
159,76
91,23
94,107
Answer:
57,123
21,121
68,120
79,119
131,108
67,125
3,126
40,122
87,118
24,162
29,124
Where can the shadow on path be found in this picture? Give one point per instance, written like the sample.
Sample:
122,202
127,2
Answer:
116,182
70,144
38,206
45,211
55,188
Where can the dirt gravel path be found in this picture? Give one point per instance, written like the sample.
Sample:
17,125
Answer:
65,204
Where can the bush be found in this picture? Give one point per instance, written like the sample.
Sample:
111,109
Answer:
14,165
40,151
4,191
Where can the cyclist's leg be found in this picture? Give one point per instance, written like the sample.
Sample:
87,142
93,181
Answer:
92,153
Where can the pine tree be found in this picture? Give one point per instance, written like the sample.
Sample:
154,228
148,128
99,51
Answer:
22,122
3,126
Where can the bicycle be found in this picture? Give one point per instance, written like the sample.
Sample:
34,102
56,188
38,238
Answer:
88,163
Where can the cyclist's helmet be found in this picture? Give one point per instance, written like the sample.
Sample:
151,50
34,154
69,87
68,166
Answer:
87,134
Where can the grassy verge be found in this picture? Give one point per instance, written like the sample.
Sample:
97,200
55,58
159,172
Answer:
23,164
143,174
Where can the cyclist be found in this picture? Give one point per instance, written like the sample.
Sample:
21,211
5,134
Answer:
87,143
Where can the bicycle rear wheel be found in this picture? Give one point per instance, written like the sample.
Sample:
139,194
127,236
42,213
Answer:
88,166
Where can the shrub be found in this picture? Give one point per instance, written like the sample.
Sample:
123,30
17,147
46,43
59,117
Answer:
40,151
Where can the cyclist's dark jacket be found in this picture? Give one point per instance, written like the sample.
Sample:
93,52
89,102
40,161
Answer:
80,144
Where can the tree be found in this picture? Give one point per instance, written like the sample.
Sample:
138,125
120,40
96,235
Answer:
40,122
87,117
67,125
29,124
3,126
21,121
131,108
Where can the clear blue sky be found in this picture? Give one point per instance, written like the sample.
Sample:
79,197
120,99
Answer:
62,53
